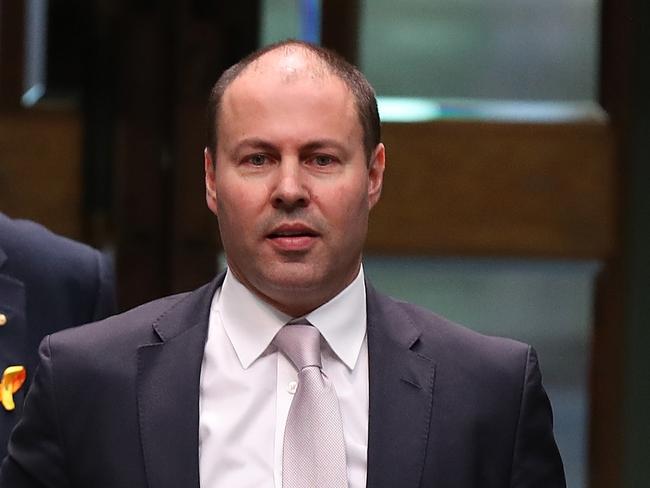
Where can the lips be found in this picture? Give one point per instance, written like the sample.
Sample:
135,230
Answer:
293,237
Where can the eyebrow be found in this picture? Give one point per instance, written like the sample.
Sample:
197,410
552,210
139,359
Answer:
263,145
254,143
321,143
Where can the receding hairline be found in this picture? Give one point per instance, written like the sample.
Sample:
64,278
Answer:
319,63
313,68
314,65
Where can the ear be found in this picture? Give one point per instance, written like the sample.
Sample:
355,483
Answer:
210,181
376,174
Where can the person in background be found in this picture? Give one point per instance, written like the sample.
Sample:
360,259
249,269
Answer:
47,283
289,369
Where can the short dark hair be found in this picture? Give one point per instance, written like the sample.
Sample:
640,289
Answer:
357,83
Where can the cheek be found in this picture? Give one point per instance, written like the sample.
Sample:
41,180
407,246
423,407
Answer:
229,213
230,195
354,196
348,208
241,213
236,191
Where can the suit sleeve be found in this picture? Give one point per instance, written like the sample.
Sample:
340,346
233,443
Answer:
536,459
105,301
35,453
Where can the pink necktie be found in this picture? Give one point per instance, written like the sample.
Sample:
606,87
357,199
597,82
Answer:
314,449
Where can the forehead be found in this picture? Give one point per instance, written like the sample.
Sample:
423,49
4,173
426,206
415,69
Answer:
286,84
288,67
289,62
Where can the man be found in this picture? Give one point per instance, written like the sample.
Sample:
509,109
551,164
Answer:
203,389
47,283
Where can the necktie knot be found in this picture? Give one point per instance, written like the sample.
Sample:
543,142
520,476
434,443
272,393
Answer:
300,342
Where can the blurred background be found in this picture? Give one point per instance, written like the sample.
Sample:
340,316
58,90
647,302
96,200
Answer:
516,198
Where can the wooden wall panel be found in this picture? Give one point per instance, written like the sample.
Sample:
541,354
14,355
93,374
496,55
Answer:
340,27
12,50
210,37
606,379
40,168
477,188
194,241
142,154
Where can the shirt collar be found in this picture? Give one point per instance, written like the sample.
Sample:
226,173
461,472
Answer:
342,321
251,323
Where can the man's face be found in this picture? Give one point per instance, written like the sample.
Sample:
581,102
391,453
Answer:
291,186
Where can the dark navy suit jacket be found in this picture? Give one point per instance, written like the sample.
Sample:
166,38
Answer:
116,404
47,283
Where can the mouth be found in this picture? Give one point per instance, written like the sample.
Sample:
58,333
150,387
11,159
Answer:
292,230
293,237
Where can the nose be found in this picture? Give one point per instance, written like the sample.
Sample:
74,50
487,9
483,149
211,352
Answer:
290,190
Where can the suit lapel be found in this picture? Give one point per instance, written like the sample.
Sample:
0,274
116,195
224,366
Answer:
400,383
168,392
401,395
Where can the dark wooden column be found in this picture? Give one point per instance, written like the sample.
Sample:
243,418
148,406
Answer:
171,54
102,24
211,36
636,408
143,152
620,381
340,27
12,48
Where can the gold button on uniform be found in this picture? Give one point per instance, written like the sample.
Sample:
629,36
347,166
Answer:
3,319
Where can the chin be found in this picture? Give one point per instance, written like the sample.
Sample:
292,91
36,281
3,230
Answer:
294,282
295,279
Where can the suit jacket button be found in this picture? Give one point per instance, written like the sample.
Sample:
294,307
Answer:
3,319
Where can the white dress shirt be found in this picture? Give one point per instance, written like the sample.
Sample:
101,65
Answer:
247,386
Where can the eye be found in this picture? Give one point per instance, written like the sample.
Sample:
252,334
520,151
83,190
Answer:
256,160
322,160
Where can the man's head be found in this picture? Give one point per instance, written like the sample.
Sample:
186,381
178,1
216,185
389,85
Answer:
291,176
362,91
